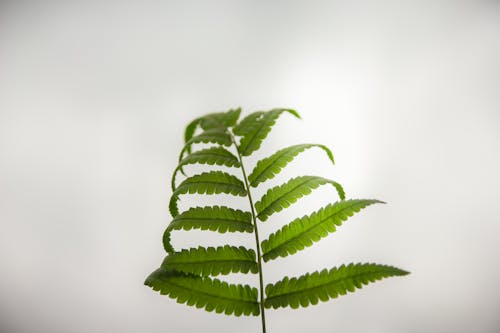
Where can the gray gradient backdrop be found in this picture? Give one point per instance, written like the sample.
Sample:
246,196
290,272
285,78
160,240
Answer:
93,100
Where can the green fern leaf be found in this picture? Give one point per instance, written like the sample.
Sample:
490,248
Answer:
270,166
303,232
189,132
280,197
217,136
215,218
247,124
220,119
212,261
259,130
187,274
322,286
210,156
213,182
204,292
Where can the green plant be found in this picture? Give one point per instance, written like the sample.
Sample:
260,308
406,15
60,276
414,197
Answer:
186,275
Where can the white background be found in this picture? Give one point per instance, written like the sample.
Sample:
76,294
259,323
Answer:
94,97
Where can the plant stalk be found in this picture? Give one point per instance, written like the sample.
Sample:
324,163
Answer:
256,232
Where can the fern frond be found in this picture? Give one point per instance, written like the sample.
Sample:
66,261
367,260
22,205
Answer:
322,286
204,292
213,218
212,261
280,197
210,156
213,182
217,136
259,129
187,274
270,166
303,232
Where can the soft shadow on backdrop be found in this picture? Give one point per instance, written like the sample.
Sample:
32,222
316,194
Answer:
93,100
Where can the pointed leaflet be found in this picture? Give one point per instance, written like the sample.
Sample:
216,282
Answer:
210,156
211,121
215,218
204,292
212,261
213,182
218,136
321,286
259,130
303,232
280,197
270,166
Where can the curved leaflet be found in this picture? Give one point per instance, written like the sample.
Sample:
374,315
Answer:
217,120
204,292
217,136
322,286
280,197
213,182
210,156
259,129
270,166
248,124
303,232
213,218
212,261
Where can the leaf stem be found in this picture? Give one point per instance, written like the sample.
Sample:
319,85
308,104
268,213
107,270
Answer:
257,242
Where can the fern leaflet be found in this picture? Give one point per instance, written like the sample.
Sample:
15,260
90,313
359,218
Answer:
258,130
303,232
216,136
321,286
280,197
212,261
213,218
270,166
210,156
213,182
204,292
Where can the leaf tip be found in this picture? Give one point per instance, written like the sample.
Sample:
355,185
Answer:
294,112
328,152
